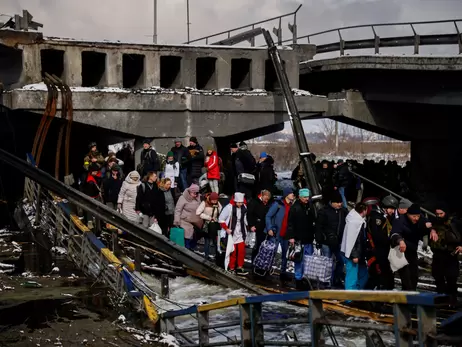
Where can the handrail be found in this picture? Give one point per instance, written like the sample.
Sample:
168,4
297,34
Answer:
252,322
292,28
389,191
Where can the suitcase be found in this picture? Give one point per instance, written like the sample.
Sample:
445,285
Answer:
263,263
177,236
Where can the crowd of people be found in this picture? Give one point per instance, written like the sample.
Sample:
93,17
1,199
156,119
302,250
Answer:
184,193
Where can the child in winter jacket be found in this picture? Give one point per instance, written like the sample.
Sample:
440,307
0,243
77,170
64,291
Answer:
172,169
213,170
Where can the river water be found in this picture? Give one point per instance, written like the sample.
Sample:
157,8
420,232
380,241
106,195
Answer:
188,291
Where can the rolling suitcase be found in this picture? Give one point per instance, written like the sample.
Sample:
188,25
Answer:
263,263
177,236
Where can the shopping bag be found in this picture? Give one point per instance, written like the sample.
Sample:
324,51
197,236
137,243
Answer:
318,268
397,259
155,227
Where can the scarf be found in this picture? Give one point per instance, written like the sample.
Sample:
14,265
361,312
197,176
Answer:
285,220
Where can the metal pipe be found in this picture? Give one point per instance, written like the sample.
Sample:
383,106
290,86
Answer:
354,325
154,36
388,191
187,18
283,321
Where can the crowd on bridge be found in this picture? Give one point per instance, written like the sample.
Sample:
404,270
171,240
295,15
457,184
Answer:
351,246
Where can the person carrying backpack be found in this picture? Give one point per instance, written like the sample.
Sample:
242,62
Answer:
149,161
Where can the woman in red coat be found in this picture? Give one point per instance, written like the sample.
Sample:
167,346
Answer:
213,170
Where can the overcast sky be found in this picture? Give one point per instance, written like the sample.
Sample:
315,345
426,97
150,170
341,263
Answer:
132,21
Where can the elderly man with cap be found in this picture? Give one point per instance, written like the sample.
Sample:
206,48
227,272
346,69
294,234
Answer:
406,232
149,161
265,175
445,262
329,233
276,225
404,204
233,221
300,228
182,156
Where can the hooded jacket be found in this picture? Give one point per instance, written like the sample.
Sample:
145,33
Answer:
353,240
213,167
265,174
185,213
127,196
300,224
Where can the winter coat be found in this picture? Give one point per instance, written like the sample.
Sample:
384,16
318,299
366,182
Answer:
169,198
256,214
342,176
330,225
275,216
243,162
300,225
150,200
196,163
181,155
403,229
111,188
213,168
127,197
205,211
185,213
379,228
354,236
149,160
172,171
91,185
265,174
449,237
99,160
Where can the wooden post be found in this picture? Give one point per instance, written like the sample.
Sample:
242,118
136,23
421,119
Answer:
316,312
426,316
138,260
164,285
402,317
251,331
203,323
115,243
246,328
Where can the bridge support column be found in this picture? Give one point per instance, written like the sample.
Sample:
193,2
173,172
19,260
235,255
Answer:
258,74
73,66
152,70
114,69
31,66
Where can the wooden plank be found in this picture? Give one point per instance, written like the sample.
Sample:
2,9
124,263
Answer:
150,310
111,258
182,312
277,297
221,304
392,297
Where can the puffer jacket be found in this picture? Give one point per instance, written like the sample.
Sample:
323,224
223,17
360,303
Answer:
330,225
127,196
196,163
185,213
213,168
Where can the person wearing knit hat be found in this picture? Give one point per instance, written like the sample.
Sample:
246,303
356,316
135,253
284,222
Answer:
208,211
233,221
406,233
182,157
172,169
330,224
213,170
263,155
445,262
300,230
276,226
196,163
185,214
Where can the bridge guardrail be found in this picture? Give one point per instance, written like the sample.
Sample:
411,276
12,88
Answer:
252,322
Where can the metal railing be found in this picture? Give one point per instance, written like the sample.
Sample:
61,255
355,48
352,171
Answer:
84,249
252,322
277,31
377,42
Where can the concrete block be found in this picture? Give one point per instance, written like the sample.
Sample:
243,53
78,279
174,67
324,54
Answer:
31,66
258,73
72,74
114,72
151,70
223,71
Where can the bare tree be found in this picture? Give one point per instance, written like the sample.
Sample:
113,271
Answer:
328,128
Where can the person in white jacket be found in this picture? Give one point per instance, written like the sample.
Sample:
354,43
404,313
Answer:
209,210
233,221
353,248
172,169
127,196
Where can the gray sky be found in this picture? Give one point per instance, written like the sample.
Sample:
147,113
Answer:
132,21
